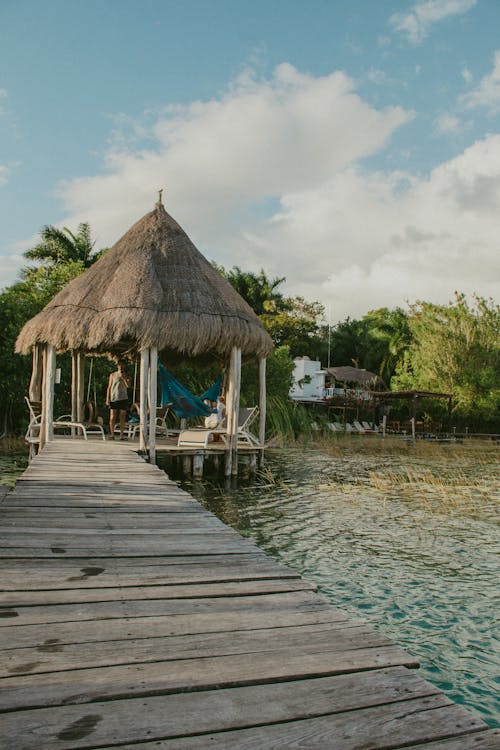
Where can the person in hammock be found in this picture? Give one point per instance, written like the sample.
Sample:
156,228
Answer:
117,399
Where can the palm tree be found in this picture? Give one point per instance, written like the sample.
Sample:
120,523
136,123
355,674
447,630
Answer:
59,246
257,289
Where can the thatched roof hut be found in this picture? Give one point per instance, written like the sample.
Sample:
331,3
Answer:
152,288
354,376
154,293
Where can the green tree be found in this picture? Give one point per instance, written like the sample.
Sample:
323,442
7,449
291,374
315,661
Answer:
61,246
386,337
297,325
456,349
257,289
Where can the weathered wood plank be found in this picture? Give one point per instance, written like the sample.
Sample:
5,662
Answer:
379,728
246,608
159,717
162,677
53,654
13,604
119,629
488,740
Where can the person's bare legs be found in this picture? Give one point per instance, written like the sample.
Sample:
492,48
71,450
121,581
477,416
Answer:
123,416
112,421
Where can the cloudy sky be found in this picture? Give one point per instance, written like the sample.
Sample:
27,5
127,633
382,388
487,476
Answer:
352,146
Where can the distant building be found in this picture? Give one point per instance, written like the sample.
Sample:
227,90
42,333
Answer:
308,380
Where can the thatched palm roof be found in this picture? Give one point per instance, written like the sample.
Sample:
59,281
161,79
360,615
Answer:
348,374
152,288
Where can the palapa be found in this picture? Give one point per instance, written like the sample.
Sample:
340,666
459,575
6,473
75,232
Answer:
354,375
153,288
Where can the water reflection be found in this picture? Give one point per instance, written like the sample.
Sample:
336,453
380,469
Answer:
408,541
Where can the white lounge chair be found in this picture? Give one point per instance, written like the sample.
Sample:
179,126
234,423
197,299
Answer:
63,422
200,436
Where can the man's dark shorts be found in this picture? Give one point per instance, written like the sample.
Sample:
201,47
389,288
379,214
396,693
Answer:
119,405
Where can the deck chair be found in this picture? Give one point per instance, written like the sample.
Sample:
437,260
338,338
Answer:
335,427
369,428
62,422
133,427
199,437
358,427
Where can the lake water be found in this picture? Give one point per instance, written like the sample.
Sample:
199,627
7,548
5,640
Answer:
406,537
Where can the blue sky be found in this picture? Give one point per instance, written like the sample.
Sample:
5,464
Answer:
353,147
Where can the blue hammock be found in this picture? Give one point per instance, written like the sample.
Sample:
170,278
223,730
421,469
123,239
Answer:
184,403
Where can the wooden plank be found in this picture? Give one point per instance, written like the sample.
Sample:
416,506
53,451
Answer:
378,728
53,654
158,717
283,605
37,545
14,604
172,676
180,623
489,740
78,519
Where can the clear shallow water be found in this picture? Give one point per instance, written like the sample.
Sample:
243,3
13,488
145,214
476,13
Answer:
408,541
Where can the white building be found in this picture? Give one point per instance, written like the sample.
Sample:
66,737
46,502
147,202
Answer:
308,380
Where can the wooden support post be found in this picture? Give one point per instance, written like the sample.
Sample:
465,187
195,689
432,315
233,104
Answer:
262,401
245,466
186,465
35,389
198,459
153,399
73,388
143,401
253,461
262,408
229,416
80,386
49,375
236,411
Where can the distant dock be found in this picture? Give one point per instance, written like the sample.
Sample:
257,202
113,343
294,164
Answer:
132,618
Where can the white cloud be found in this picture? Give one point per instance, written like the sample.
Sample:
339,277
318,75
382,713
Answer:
487,93
466,75
447,123
361,242
417,23
4,174
269,175
218,159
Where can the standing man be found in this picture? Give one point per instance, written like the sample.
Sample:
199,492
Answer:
117,400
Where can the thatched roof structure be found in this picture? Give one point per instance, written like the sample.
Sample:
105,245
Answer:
354,375
153,288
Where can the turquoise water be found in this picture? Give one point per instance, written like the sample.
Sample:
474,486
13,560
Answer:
409,542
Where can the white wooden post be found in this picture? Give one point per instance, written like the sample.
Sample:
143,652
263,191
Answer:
236,412
80,385
262,401
153,398
143,400
49,375
35,389
73,389
229,415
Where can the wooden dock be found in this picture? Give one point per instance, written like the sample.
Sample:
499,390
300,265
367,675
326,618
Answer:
130,617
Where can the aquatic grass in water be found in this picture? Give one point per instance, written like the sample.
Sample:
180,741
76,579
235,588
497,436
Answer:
13,460
405,536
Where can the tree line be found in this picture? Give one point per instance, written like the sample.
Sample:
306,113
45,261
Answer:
452,348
